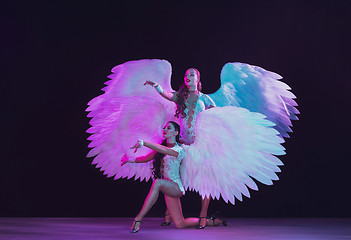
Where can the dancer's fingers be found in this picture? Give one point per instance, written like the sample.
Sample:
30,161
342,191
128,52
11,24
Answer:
149,83
124,159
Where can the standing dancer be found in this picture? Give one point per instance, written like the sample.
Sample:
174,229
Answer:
190,102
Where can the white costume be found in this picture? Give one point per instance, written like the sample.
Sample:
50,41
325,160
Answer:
188,133
171,165
234,142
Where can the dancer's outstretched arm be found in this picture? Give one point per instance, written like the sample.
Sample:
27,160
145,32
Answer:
154,146
142,159
161,149
171,96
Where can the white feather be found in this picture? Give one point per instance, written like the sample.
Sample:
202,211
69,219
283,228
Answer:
232,145
257,90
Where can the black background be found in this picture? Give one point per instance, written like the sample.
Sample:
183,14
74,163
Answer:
55,56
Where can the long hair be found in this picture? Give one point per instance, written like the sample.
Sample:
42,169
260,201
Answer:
183,95
156,169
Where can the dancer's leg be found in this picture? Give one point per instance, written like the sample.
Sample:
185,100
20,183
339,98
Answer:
167,187
167,219
175,209
205,202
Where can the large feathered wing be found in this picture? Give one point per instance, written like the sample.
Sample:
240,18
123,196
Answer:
128,111
233,146
257,90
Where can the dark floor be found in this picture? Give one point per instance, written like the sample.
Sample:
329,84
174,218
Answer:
117,228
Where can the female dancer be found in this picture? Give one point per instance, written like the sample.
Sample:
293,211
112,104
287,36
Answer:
190,102
171,184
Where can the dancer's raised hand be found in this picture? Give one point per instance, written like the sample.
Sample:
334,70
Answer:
151,83
138,145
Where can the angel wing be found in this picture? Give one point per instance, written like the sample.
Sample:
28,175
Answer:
257,90
128,111
232,146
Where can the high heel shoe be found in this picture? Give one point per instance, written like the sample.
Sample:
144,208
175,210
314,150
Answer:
223,222
165,224
199,226
214,217
133,229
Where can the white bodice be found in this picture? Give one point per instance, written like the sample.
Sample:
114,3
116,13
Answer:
170,167
188,132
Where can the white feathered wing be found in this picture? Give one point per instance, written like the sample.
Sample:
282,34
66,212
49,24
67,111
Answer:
257,90
232,146
126,112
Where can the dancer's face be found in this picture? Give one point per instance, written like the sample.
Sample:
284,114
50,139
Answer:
191,79
169,131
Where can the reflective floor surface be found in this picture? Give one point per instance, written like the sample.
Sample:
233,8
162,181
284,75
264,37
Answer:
117,228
